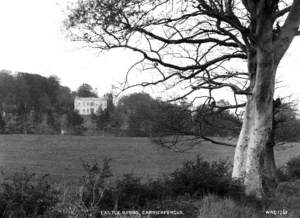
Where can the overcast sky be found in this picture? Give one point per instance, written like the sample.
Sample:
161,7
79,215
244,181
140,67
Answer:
32,40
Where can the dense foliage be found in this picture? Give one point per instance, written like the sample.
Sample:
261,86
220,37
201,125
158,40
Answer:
292,169
26,195
85,91
139,114
31,103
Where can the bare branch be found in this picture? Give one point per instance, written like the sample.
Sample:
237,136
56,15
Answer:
288,31
282,12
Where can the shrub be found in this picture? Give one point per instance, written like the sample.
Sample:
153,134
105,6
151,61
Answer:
288,131
192,180
201,178
281,174
94,193
289,188
290,171
96,183
26,195
71,210
131,193
293,168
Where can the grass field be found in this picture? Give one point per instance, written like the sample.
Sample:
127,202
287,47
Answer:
61,156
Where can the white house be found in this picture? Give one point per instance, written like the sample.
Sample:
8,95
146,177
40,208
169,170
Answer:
87,106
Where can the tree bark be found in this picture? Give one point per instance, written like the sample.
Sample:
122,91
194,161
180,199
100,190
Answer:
260,132
238,171
262,97
270,170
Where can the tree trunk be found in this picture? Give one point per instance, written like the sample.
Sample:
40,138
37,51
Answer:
255,157
257,147
270,170
260,133
238,171
270,178
262,97
240,154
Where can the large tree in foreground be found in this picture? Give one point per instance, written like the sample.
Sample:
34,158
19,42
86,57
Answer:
196,44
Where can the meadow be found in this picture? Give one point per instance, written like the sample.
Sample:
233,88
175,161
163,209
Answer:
61,155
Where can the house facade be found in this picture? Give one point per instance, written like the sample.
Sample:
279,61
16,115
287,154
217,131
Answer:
88,106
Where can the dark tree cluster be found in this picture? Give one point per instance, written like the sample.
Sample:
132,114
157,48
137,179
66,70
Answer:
139,114
286,120
31,103
85,91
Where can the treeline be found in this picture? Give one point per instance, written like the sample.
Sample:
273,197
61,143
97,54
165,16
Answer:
31,103
139,114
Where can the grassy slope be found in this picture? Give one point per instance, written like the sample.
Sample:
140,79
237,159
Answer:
60,155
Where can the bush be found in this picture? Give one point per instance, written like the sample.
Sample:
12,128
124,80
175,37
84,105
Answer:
131,193
288,189
193,180
288,131
96,183
293,168
94,193
201,178
290,171
26,195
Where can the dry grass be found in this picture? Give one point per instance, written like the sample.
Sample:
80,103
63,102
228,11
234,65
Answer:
215,207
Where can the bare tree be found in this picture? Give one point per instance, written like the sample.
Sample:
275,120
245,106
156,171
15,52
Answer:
197,43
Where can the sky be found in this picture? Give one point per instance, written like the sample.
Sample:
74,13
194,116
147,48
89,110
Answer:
32,40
